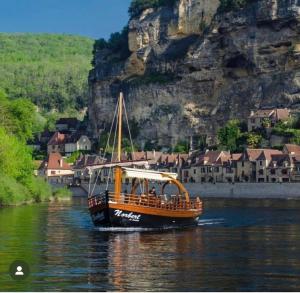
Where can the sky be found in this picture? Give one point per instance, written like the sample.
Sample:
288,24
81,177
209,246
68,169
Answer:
91,18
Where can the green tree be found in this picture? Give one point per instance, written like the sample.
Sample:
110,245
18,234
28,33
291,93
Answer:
49,69
229,134
253,140
181,147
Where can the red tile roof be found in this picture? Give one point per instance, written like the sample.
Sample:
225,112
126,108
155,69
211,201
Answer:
56,162
292,149
282,114
57,139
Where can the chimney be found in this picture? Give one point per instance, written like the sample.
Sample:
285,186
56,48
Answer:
61,163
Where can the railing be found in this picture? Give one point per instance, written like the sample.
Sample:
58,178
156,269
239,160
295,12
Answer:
174,203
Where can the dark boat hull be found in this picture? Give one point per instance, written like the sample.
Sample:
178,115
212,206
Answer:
112,217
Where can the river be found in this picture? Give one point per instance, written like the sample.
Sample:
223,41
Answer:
239,245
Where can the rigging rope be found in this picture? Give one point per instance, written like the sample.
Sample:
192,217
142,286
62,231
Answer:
106,148
131,142
112,156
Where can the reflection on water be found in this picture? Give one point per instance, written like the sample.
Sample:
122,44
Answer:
238,245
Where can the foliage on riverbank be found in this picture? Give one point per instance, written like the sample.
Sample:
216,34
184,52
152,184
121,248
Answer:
18,123
62,193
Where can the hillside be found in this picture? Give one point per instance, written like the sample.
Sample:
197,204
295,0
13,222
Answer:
51,70
195,64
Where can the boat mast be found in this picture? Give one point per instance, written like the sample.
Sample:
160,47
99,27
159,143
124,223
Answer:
120,127
118,169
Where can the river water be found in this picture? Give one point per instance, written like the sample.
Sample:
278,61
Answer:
239,245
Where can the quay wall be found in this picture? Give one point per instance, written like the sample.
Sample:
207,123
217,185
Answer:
236,190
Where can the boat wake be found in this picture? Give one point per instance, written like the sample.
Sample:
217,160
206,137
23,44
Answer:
207,222
130,229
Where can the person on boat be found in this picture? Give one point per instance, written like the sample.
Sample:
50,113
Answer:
152,191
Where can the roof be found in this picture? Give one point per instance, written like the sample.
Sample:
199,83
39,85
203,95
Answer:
267,154
213,157
73,138
265,113
55,161
278,160
292,149
282,114
236,157
149,174
88,160
57,139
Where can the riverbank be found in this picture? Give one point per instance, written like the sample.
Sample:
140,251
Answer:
236,190
53,193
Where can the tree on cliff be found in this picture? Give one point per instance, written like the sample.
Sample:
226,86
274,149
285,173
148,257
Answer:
137,6
229,134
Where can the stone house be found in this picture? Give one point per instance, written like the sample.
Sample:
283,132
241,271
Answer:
252,164
295,173
257,118
77,142
211,166
280,168
81,173
56,143
55,170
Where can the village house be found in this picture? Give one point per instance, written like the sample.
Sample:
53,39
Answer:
55,170
211,166
269,117
57,143
77,142
280,168
80,168
253,163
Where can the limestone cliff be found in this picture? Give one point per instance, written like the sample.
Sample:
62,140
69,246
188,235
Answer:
192,68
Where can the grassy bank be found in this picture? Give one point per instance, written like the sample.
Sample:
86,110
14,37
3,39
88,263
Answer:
13,193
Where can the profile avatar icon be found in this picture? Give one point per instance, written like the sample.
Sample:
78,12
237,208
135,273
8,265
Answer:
19,271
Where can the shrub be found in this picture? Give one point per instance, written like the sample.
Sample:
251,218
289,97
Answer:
138,6
62,193
117,43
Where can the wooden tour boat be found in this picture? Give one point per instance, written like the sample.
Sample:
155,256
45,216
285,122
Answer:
145,210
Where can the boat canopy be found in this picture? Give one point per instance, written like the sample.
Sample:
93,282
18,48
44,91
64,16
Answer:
149,174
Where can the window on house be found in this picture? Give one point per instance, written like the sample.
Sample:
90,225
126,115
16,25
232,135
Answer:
285,179
252,120
209,169
243,164
202,170
53,172
217,169
284,171
273,171
260,163
261,172
195,171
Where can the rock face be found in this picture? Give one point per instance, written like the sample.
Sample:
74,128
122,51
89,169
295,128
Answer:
192,68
